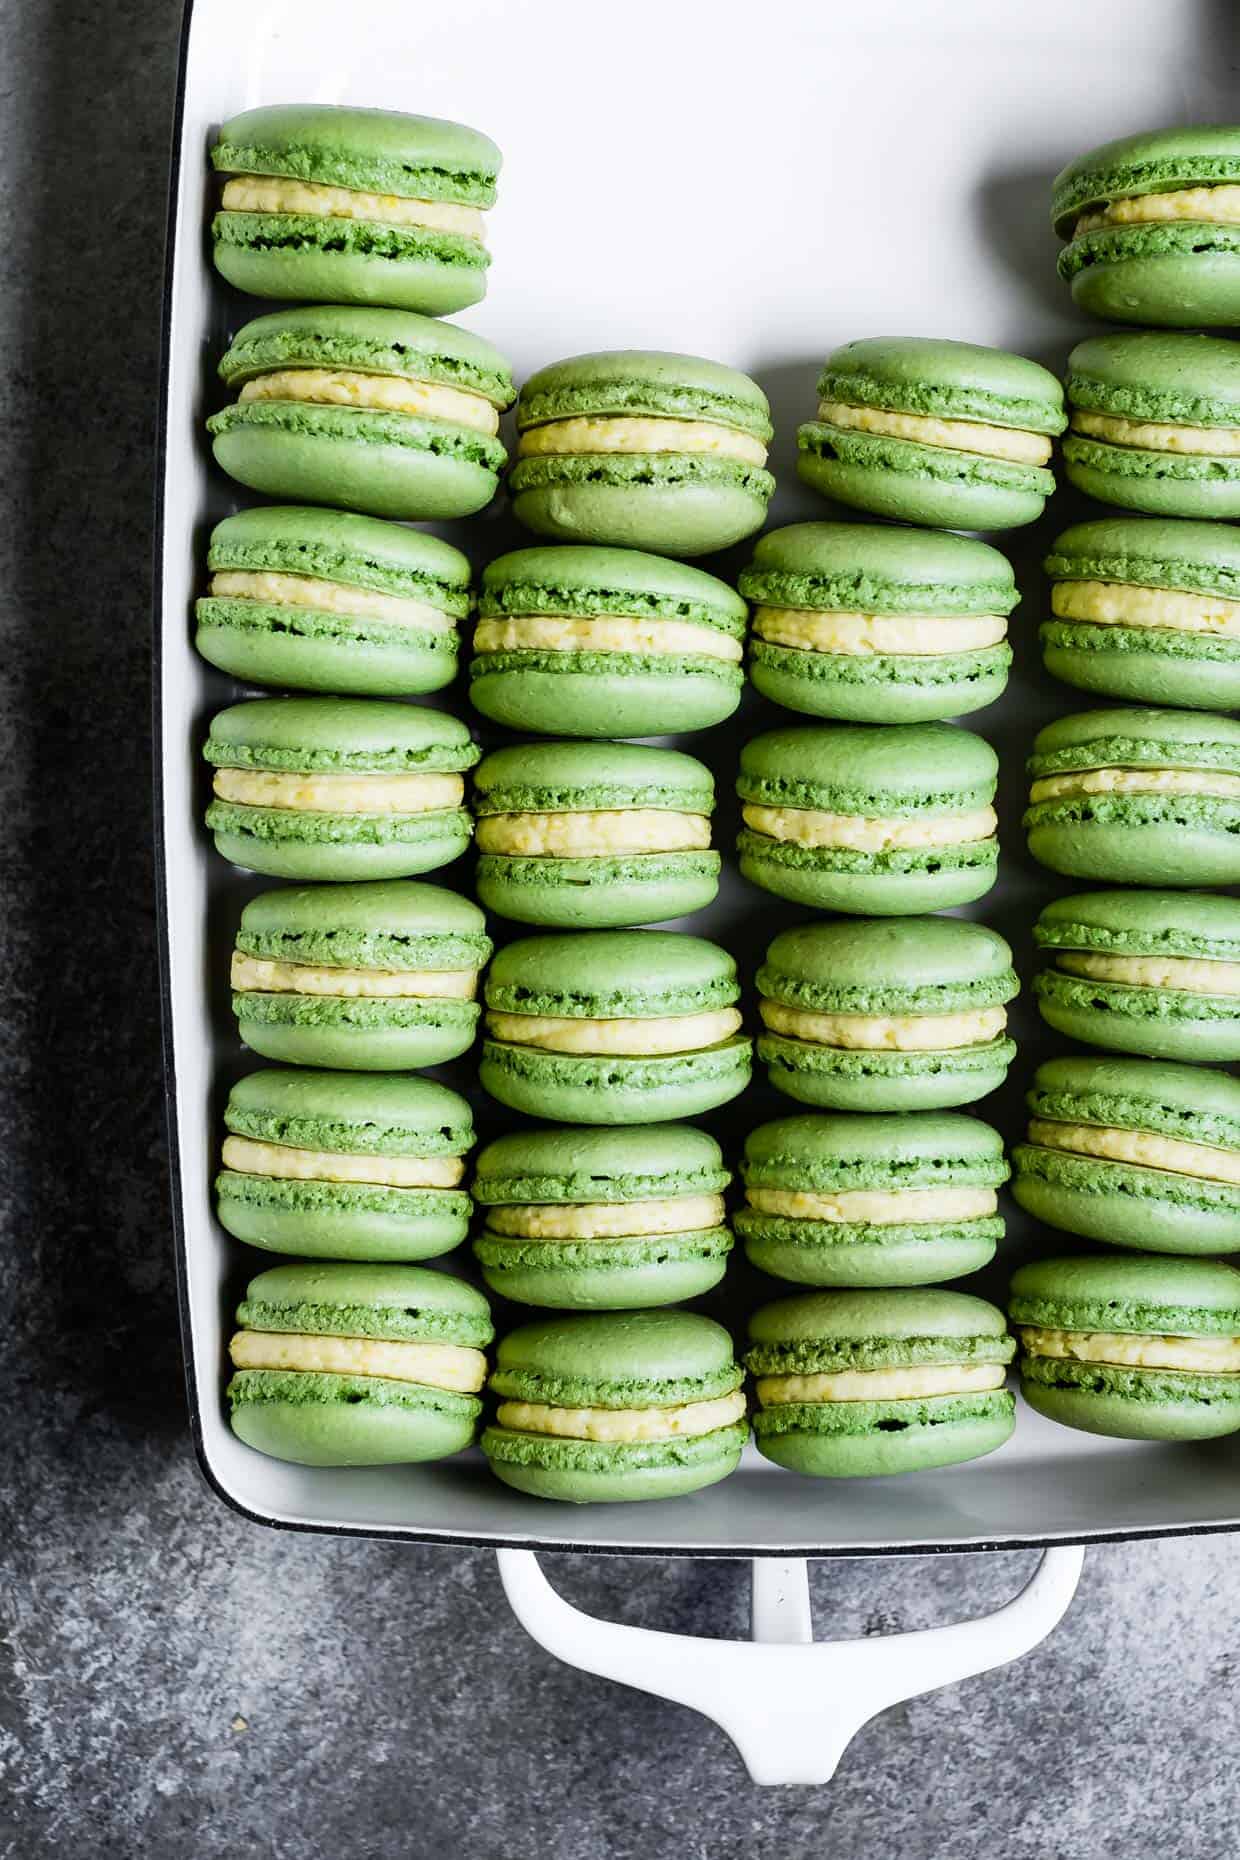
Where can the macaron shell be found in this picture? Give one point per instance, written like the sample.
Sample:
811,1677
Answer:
1159,484
919,484
356,1034
1129,1405
309,651
309,258
333,1420
847,1079
879,689
604,695
678,505
337,1220
1144,666
581,1472
1168,276
869,885
845,1254
282,844
630,1275
1125,1205
589,1090
880,1438
1138,839
1154,1022
599,893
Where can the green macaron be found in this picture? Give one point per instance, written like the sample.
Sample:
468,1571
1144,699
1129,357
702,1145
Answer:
878,625
905,1199
594,836
1148,238
911,826
338,205
604,643
643,449
1138,1348
945,434
337,1165
613,1027
598,1407
376,977
856,1383
322,600
1140,797
1140,1153
1147,610
358,1365
587,1219
381,411
1154,419
887,1014
338,788
1151,972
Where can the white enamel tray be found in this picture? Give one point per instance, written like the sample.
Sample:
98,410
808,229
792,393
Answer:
756,187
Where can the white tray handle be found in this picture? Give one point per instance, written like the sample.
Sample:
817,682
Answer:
790,1705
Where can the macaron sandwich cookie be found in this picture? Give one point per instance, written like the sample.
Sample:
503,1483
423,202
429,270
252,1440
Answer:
856,1383
358,1365
1139,1153
337,1165
342,205
613,1027
579,641
886,1014
1140,797
882,820
1150,972
323,600
376,977
905,1199
878,625
585,1218
341,788
599,1407
1148,610
939,433
594,835
643,449
381,411
1156,421
1139,1348
1152,225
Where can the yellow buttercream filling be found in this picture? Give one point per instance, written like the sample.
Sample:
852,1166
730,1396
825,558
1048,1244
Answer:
436,1365
606,1220
301,978
1136,781
893,1033
1212,1355
270,193
579,836
329,597
1148,1148
1158,435
617,1424
859,635
626,433
247,1156
808,826
1115,603
908,1382
345,387
1189,974
996,442
678,1033
876,1207
340,794
608,633
1219,205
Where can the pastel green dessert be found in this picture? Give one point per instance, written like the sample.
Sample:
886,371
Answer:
343,205
1147,610
878,625
356,1365
599,1408
940,433
643,449
330,1165
1140,797
1139,1153
1155,421
1152,972
604,643
887,1014
381,411
613,1027
1141,1349
852,1384
870,819
321,600
1151,227
338,788
371,978
907,1199
583,1219
594,836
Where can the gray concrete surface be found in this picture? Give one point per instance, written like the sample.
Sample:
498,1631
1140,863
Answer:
175,1683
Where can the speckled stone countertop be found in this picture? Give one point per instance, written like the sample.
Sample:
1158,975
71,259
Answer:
178,1684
